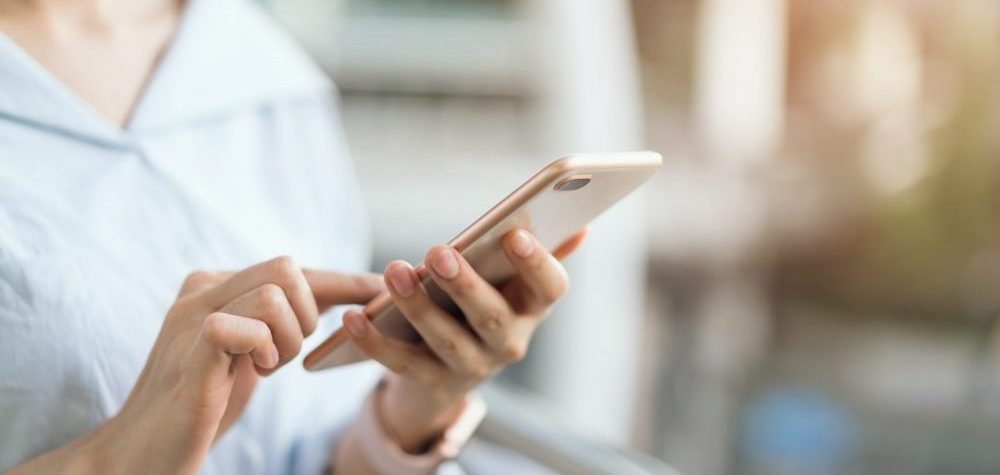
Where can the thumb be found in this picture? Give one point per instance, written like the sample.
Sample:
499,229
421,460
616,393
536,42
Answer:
334,288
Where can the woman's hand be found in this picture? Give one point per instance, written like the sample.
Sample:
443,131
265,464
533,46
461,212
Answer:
428,381
224,331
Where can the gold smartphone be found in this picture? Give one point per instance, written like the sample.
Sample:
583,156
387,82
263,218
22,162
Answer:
554,205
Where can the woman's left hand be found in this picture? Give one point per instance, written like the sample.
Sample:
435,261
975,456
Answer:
429,380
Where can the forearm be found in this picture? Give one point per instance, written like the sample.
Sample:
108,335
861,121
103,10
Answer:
124,444
87,454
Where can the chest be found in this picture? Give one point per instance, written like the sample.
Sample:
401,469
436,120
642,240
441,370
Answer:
104,65
95,240
265,182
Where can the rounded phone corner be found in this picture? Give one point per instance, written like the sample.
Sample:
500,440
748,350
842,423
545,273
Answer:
564,164
339,355
576,161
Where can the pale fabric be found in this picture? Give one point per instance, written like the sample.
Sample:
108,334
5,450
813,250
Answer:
233,156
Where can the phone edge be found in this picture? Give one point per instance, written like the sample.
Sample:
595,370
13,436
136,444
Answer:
497,213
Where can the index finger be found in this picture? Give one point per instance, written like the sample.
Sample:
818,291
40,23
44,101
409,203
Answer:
281,271
201,280
334,288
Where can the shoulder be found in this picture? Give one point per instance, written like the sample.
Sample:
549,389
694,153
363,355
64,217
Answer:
247,38
229,55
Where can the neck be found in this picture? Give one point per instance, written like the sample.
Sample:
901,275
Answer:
93,13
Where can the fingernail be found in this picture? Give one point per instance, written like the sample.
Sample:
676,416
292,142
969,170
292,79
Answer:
445,264
521,244
356,326
274,359
401,280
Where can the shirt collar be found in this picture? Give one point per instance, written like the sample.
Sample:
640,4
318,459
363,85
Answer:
226,55
31,95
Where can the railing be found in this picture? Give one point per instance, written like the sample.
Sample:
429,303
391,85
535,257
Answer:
518,436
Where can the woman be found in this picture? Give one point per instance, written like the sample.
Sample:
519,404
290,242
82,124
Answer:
141,140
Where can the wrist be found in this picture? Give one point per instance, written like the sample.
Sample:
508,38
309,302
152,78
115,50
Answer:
414,414
82,455
369,448
143,441
92,453
106,450
423,396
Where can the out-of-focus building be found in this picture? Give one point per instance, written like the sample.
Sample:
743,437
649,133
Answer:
811,285
449,105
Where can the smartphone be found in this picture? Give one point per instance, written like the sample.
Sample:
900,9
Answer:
554,205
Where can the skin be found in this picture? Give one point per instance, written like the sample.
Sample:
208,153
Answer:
224,332
427,383
227,329
102,50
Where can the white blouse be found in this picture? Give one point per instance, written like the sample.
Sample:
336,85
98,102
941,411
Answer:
233,155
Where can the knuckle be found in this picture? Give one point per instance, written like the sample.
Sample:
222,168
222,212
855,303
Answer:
513,352
182,307
493,320
480,372
270,297
285,269
463,285
446,346
199,278
256,329
216,327
449,346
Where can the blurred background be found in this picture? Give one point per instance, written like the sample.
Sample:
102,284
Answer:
812,283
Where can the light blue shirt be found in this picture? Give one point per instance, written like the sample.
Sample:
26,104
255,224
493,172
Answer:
233,155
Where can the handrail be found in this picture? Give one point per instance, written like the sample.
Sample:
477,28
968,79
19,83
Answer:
515,421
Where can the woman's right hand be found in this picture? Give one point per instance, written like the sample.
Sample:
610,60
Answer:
224,331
